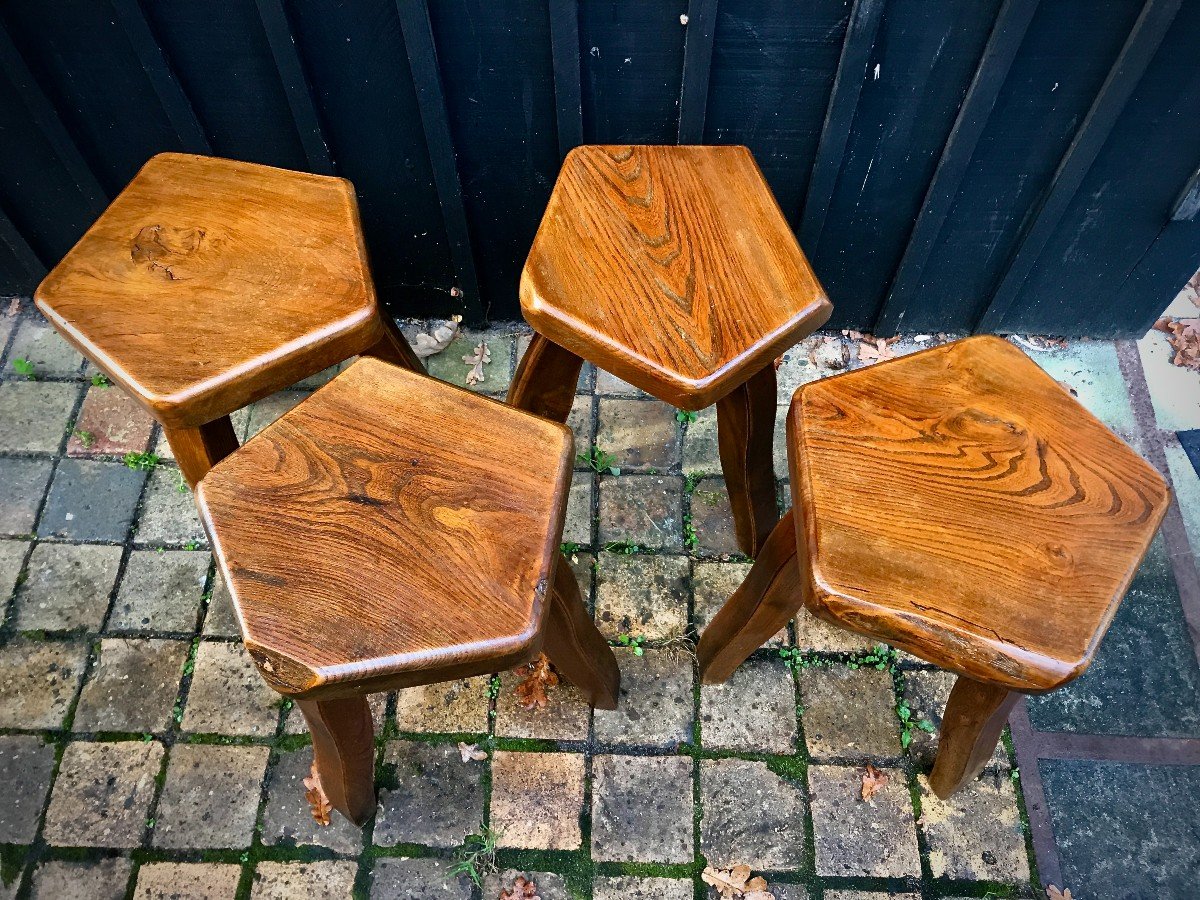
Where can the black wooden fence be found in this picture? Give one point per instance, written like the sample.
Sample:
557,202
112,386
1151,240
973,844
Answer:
997,165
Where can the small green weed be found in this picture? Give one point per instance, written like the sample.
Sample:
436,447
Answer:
600,461
24,367
477,856
683,416
633,642
85,437
100,380
141,462
907,724
690,540
570,548
691,479
623,547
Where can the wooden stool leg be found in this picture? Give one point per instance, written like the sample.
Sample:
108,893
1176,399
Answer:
199,449
762,604
575,646
394,348
545,381
974,718
745,430
343,754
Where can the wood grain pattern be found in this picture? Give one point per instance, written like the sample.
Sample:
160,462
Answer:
545,380
208,284
974,719
391,530
958,503
745,431
575,646
199,449
344,753
671,267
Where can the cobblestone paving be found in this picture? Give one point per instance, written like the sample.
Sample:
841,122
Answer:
143,756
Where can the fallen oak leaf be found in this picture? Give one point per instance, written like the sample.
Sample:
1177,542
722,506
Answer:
476,359
730,883
873,349
471,752
425,345
1184,337
539,675
873,782
1054,893
318,802
522,889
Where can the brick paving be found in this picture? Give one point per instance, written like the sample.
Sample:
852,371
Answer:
144,757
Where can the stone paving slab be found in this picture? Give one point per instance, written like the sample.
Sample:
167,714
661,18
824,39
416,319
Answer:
642,595
286,818
303,880
537,799
434,799
101,879
67,587
210,796
656,700
111,423
855,837
38,680
754,710
161,590
90,500
642,809
26,764
103,794
132,685
752,816
35,415
22,485
396,878
196,881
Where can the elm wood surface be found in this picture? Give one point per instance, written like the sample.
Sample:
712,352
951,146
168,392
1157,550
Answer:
209,283
671,267
343,738
959,504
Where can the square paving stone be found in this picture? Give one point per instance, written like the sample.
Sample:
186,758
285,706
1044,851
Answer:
752,816
304,880
35,415
714,584
221,620
102,795
101,879
587,373
287,817
132,686
642,594
67,587
168,515
641,434
38,343
432,798
497,374
626,888
855,837
161,590
12,556
712,518
537,799
91,501
550,886
1128,690
196,881
448,707
564,719
869,895
577,528
645,510
849,713
26,763
210,797
754,711
227,695
817,635
1107,814
38,680
656,704
581,420
110,422
642,809
609,384
701,449
976,833
22,486
396,878
927,693
265,411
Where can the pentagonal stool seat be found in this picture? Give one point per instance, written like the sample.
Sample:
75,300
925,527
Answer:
674,269
394,530
960,504
207,284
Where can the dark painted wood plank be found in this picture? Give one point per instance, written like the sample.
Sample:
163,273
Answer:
427,80
1003,44
1139,49
564,43
48,123
170,94
19,249
1187,207
295,85
697,64
839,116
773,67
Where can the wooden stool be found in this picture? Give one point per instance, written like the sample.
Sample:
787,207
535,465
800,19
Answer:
674,269
956,503
208,284
371,541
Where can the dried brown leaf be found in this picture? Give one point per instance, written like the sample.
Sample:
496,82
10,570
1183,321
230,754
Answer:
736,883
1054,893
873,782
428,344
872,349
471,752
14,307
315,795
477,359
1184,338
522,889
539,675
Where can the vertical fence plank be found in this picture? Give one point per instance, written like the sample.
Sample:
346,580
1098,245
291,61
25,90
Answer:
1139,49
16,243
564,43
48,123
166,87
1003,43
295,85
839,116
431,102
697,63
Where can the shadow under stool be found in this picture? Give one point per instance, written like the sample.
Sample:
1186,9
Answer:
958,504
674,269
370,543
208,284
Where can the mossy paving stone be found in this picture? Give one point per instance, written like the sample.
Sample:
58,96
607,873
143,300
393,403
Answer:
26,763
101,879
195,881
210,796
753,712
132,685
855,837
642,809
304,880
849,713
565,718
445,707
110,423
642,595
35,415
287,818
976,834
39,344
550,886
168,515
102,795
430,796
712,519
927,693
645,510
537,799
752,816
655,707
228,695
394,878
713,584
577,528
631,888
641,434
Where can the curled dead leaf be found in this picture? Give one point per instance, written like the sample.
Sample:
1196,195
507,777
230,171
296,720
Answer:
1053,893
872,349
522,889
315,795
471,752
476,359
428,344
539,675
873,781
736,883
1184,338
